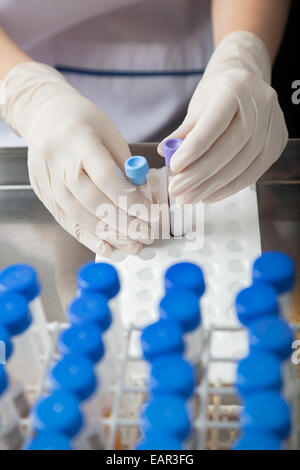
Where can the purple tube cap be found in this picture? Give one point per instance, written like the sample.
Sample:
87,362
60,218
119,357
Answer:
169,148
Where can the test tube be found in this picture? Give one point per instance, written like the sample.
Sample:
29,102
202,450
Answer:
136,169
92,308
25,365
257,441
11,435
85,339
182,306
161,337
23,279
266,412
159,441
49,441
73,374
255,302
166,414
103,279
185,275
172,375
259,371
271,335
277,269
179,224
58,412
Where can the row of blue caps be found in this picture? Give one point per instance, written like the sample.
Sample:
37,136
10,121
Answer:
165,420
72,379
265,419
19,285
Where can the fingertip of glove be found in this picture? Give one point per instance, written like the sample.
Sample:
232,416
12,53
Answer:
104,249
133,248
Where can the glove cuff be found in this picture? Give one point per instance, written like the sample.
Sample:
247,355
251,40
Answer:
241,49
26,89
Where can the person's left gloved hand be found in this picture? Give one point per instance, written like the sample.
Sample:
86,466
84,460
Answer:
234,128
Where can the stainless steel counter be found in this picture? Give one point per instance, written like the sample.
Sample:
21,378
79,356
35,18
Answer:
28,233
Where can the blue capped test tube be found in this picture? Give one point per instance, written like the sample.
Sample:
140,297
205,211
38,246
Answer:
182,306
256,302
172,375
179,225
185,275
167,414
11,434
272,335
25,365
103,278
277,269
84,339
49,441
259,371
161,337
58,412
136,170
92,308
23,279
266,412
74,374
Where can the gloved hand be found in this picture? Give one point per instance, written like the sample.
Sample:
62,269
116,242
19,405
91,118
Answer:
74,158
234,128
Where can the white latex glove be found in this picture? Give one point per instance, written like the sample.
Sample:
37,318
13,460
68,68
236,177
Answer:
234,128
74,157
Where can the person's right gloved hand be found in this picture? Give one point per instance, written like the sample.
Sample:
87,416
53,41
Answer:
75,157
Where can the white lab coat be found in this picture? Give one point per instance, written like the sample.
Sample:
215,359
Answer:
139,60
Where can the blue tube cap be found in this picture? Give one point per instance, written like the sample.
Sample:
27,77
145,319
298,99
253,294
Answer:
257,441
136,169
266,412
74,374
162,337
277,269
186,276
3,379
158,441
14,313
85,339
166,414
22,279
258,372
182,306
169,148
58,412
102,278
49,441
6,345
256,301
272,335
90,308
172,374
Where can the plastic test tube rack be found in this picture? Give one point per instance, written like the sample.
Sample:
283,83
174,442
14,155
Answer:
216,424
